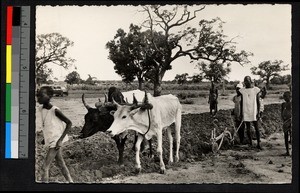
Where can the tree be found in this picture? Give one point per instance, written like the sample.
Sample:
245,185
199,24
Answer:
43,76
269,69
197,78
90,80
129,54
215,72
181,78
73,78
210,44
51,49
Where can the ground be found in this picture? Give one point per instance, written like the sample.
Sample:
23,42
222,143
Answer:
93,160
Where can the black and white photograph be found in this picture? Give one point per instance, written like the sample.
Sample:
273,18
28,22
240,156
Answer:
163,94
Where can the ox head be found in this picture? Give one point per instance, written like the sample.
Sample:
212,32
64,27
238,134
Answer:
129,116
97,119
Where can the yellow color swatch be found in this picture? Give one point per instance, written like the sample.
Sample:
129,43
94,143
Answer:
8,63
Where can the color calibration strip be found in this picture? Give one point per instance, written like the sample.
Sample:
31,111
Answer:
17,70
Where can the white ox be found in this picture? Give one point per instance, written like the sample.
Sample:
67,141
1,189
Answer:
163,111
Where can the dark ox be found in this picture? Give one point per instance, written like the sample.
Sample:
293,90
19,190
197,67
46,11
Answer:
100,119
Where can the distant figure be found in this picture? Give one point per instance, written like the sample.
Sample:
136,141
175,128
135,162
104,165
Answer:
237,99
262,95
213,99
55,126
250,108
286,115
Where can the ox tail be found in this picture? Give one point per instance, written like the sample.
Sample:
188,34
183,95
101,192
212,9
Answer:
177,131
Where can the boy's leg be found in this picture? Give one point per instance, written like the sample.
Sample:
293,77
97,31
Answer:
46,165
255,123
61,163
249,133
286,142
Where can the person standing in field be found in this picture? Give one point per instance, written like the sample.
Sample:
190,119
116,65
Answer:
250,108
239,124
286,115
55,126
213,99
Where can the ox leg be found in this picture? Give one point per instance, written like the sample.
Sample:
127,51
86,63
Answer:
160,151
120,146
177,134
137,153
171,145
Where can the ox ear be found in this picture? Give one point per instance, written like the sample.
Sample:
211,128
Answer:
134,111
112,112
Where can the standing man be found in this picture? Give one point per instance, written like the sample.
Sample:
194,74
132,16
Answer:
250,108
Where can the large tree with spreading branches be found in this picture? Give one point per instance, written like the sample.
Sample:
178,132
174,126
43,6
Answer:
269,69
204,42
51,49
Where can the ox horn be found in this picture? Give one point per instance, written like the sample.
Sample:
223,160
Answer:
84,103
134,100
114,102
146,104
105,95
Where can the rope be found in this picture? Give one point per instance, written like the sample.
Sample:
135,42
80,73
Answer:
149,122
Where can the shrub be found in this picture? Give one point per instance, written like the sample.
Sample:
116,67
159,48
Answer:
187,101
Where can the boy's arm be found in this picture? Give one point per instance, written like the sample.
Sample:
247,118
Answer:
62,117
258,104
282,110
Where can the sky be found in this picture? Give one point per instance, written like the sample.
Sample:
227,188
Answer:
263,29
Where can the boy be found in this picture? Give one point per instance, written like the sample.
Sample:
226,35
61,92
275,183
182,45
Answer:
54,131
286,115
237,99
250,108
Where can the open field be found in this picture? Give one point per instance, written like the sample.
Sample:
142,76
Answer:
93,160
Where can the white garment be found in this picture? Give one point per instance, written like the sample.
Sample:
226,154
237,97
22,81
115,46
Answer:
249,103
52,126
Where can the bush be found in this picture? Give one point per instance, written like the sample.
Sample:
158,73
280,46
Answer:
187,101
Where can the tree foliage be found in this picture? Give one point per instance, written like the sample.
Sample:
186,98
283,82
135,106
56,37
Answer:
181,78
90,80
51,49
204,42
196,78
286,79
269,69
215,72
128,51
73,78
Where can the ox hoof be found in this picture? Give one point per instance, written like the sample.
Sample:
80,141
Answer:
138,170
176,159
162,171
170,162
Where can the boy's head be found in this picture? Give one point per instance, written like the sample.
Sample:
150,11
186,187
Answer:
287,96
44,94
247,81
